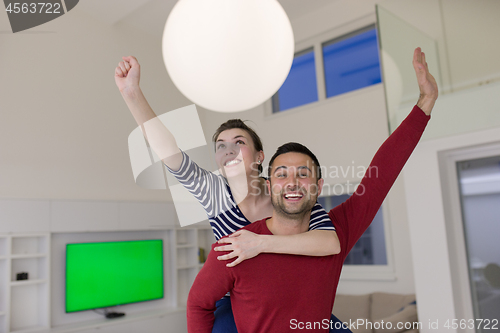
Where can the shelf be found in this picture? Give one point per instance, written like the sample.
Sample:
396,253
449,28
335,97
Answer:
28,302
26,306
28,256
187,256
185,237
185,246
36,267
186,266
29,244
26,283
28,329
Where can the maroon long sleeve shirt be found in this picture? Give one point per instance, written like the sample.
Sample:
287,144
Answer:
283,293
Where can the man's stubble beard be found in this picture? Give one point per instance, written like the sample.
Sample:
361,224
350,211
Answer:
280,208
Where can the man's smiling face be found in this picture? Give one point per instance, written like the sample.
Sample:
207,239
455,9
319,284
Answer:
294,186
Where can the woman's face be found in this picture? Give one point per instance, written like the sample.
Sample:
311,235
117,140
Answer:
235,153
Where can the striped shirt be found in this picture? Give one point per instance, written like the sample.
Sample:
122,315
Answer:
214,194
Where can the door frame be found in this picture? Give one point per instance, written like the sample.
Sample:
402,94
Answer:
464,297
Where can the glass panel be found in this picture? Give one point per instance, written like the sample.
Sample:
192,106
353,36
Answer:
479,182
300,85
351,62
398,40
370,248
437,26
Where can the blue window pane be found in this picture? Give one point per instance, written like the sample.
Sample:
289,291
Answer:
370,249
300,86
352,63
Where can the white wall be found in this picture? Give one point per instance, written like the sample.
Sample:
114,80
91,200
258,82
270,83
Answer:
64,125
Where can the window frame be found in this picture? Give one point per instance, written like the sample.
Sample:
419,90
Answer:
316,42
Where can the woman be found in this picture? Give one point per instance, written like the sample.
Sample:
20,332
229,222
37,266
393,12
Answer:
232,200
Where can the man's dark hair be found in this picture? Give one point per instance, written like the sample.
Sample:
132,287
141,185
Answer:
294,147
238,123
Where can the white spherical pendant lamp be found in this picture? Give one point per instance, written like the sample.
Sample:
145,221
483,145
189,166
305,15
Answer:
228,55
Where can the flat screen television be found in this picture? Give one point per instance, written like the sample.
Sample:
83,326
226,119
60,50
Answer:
105,274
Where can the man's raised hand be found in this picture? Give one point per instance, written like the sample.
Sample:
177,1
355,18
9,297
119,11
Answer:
426,82
127,74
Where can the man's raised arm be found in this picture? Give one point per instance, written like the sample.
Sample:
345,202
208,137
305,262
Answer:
359,210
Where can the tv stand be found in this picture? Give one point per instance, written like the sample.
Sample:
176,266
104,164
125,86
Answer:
112,315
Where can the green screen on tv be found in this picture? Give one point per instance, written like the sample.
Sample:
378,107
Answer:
107,274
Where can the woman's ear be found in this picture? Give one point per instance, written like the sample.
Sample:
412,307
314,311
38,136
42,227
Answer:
261,157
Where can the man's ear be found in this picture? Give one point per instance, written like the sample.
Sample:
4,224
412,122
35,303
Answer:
268,184
321,181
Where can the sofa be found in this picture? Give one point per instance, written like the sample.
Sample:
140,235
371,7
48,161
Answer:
378,312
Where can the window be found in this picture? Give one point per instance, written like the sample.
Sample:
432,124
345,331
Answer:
350,62
370,249
299,87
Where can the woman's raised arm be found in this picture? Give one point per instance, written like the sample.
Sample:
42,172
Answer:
127,77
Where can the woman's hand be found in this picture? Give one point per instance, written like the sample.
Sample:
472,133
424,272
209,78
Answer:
127,74
244,245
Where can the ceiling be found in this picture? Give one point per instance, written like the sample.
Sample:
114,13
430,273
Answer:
149,16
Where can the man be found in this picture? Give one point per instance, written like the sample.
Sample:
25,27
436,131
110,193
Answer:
281,293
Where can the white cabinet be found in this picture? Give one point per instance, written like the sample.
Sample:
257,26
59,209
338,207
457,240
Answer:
192,248
4,284
205,240
24,304
37,304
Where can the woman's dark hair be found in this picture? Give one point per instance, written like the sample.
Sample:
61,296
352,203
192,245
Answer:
238,123
294,147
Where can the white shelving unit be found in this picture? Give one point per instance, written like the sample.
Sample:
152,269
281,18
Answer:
189,241
205,240
24,304
4,278
33,238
